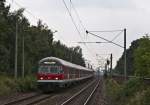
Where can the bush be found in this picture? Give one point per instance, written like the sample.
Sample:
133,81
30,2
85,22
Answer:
146,98
27,84
132,86
10,85
128,90
141,98
112,90
132,92
7,85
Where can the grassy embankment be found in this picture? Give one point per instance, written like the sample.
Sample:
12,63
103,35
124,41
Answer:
132,92
9,85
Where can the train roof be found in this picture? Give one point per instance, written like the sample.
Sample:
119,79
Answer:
65,63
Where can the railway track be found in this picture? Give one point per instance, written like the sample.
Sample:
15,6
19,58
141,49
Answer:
87,89
40,99
83,96
90,96
31,100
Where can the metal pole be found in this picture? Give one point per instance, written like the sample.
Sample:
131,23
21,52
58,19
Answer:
125,63
105,73
23,55
16,50
111,65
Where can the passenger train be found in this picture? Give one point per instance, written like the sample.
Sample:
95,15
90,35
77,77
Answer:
54,72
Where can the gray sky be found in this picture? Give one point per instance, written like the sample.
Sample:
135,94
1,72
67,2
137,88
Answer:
96,15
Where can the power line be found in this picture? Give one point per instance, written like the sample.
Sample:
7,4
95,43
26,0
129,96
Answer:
107,31
117,35
27,11
72,19
104,39
77,15
13,1
80,21
93,42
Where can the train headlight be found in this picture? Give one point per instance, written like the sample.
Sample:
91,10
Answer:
41,78
56,78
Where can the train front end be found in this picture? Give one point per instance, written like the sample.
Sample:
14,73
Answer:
49,75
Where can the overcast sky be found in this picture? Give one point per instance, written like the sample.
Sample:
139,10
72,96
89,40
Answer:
95,15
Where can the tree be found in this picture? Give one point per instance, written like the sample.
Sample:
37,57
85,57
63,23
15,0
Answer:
142,58
38,43
138,58
130,60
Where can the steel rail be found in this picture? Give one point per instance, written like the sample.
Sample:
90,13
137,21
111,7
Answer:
39,100
75,95
30,100
88,99
20,100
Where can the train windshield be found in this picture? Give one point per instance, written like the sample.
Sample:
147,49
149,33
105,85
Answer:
50,69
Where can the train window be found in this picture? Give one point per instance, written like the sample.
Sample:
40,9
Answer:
61,71
50,69
56,69
43,69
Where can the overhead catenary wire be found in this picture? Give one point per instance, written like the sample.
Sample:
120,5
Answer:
27,11
107,31
72,19
77,15
91,51
31,14
104,39
117,35
94,42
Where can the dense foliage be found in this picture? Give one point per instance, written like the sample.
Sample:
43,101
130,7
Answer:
130,59
142,58
133,92
10,85
138,58
38,42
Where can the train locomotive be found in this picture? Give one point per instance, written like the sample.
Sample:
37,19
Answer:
54,72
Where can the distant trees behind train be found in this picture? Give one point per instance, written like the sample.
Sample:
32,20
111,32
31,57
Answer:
138,58
39,42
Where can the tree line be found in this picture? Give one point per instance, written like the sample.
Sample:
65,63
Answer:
138,58
38,43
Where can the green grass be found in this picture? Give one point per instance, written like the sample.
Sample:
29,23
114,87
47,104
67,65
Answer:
10,85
